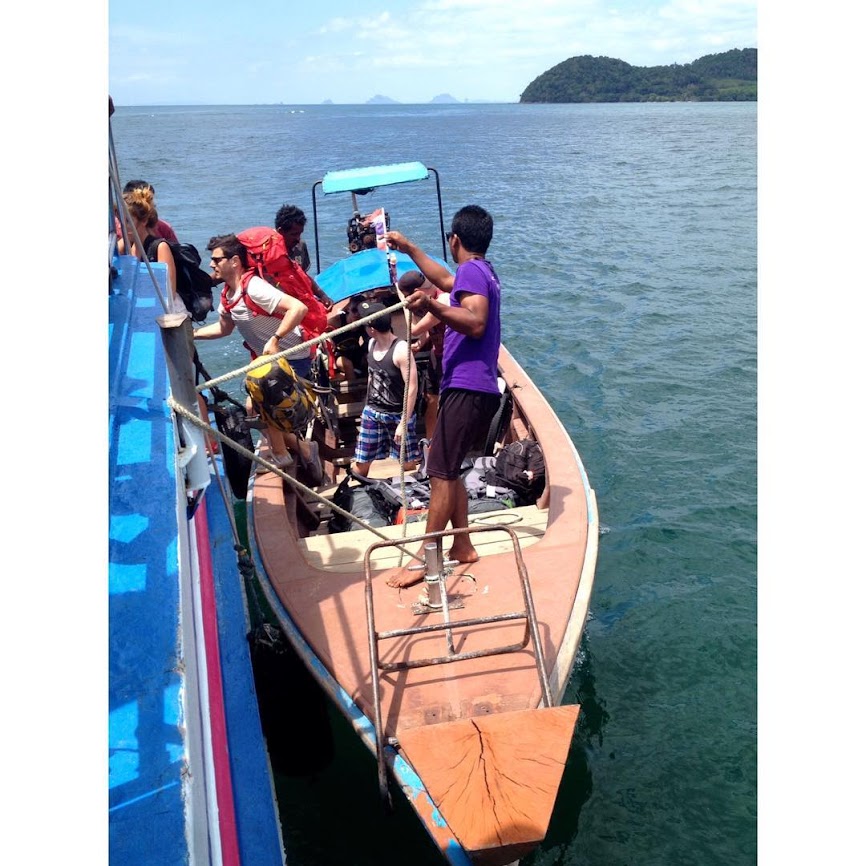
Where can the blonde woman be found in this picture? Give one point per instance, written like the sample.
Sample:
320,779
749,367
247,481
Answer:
142,212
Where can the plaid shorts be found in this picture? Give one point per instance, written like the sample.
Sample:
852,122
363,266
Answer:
376,437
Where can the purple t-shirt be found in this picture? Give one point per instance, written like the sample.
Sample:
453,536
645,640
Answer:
467,362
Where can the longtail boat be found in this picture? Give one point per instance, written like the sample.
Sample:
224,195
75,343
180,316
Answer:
455,684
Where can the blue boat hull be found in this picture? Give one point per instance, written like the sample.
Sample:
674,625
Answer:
180,791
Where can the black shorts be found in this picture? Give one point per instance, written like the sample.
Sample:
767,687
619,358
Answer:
434,375
461,426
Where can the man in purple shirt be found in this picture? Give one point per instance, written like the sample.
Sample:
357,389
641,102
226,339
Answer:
469,392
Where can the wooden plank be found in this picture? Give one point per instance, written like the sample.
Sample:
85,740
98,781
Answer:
344,549
494,778
341,387
349,410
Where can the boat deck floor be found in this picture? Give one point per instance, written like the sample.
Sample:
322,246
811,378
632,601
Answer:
321,582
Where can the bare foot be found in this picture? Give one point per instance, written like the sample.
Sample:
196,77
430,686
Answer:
404,579
465,554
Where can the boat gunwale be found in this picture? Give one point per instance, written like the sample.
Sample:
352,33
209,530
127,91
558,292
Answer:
570,644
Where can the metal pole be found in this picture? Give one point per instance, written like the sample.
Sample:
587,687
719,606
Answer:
176,332
441,217
316,228
433,561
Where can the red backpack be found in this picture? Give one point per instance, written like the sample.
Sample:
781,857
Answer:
268,257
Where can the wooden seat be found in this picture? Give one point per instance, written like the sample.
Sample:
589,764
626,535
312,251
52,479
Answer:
344,551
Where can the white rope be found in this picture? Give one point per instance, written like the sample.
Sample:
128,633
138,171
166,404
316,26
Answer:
264,359
197,421
407,317
327,335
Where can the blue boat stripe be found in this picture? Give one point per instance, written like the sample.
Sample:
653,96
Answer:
146,796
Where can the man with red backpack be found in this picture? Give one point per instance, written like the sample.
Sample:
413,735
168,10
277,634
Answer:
268,256
268,320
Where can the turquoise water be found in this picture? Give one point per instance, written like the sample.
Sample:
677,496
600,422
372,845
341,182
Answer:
626,241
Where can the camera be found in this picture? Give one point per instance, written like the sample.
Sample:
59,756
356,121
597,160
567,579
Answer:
361,232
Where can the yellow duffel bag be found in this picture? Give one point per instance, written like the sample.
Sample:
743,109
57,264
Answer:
283,400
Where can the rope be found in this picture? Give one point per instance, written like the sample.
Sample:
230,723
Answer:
302,488
327,335
264,359
262,632
226,502
499,518
114,171
407,317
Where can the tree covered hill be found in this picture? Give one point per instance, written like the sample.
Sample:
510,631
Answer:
730,76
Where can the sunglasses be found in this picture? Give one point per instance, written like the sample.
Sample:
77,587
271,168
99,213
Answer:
218,259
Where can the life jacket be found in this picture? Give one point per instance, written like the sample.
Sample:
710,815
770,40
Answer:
269,259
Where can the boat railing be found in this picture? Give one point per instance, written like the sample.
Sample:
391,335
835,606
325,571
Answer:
436,570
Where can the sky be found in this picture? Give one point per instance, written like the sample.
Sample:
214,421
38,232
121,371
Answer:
212,52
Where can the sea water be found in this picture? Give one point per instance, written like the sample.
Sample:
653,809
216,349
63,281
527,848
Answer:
626,242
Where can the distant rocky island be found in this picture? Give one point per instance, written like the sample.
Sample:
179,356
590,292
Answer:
378,99
728,77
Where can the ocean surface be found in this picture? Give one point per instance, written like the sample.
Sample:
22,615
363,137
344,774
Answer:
626,240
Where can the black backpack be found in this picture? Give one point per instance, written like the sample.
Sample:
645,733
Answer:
520,466
194,286
372,500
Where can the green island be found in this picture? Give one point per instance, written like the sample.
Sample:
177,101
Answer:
731,76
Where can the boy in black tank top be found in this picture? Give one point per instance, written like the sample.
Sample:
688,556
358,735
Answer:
383,425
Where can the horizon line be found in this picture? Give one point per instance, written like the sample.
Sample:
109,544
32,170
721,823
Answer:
311,104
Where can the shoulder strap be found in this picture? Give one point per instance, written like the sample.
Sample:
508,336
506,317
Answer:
249,303
151,246
393,350
230,305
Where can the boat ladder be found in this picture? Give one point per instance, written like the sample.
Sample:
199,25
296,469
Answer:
436,570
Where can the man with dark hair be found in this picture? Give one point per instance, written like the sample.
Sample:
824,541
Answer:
469,394
269,321
384,424
289,222
267,318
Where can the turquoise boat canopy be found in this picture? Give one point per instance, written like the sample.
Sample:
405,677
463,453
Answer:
361,180
362,272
